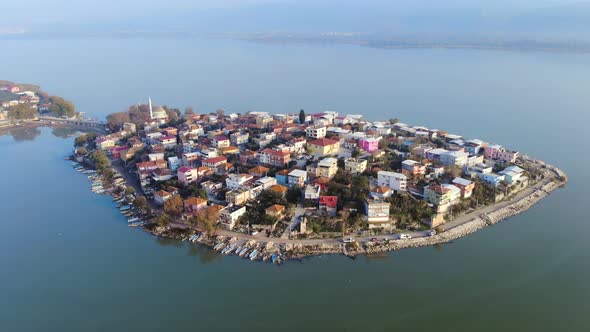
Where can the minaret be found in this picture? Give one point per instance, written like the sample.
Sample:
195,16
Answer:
151,111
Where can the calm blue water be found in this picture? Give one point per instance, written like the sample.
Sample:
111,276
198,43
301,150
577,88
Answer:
69,262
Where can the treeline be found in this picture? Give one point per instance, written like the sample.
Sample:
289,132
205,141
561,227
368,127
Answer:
22,112
62,107
139,115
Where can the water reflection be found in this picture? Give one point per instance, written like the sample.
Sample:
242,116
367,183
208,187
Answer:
205,255
63,132
164,241
25,134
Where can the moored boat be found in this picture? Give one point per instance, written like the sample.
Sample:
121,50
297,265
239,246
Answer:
253,254
243,252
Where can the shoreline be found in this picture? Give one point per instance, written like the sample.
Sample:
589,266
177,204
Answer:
297,249
6,129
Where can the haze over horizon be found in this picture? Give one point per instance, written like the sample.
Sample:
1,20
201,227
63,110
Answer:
543,19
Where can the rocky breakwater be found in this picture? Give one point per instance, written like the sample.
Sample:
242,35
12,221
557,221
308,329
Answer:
556,181
299,250
467,228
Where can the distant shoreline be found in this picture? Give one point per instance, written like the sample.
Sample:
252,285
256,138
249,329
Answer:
364,40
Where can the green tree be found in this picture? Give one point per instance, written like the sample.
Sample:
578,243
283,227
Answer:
129,190
301,116
101,162
162,219
293,195
140,202
21,112
61,107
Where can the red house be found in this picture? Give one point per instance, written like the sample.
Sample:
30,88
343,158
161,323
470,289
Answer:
329,204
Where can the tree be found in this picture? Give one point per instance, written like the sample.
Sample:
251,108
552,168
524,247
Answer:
172,114
206,219
129,190
82,151
80,140
115,120
62,107
101,162
189,111
301,116
355,153
345,214
220,112
162,219
21,112
293,195
140,202
174,206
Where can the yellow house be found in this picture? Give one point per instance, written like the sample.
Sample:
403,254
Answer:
327,167
439,196
230,150
323,146
275,211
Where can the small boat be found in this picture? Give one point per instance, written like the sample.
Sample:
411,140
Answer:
253,254
217,246
125,208
231,249
265,257
238,250
273,258
134,219
243,252
136,223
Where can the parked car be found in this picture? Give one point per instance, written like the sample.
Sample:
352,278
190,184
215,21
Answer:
405,236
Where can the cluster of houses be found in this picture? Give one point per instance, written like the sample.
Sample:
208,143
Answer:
243,155
18,96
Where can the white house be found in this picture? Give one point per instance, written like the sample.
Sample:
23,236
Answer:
230,215
234,181
393,180
355,165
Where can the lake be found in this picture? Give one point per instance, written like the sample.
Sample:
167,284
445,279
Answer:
69,261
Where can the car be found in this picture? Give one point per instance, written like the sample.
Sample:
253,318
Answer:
348,240
254,232
405,236
432,233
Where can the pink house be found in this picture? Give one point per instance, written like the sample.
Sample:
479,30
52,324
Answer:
492,151
369,144
187,175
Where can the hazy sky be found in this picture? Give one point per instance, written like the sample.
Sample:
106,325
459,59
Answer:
289,15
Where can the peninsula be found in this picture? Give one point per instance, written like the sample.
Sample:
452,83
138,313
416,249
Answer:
26,105
278,186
